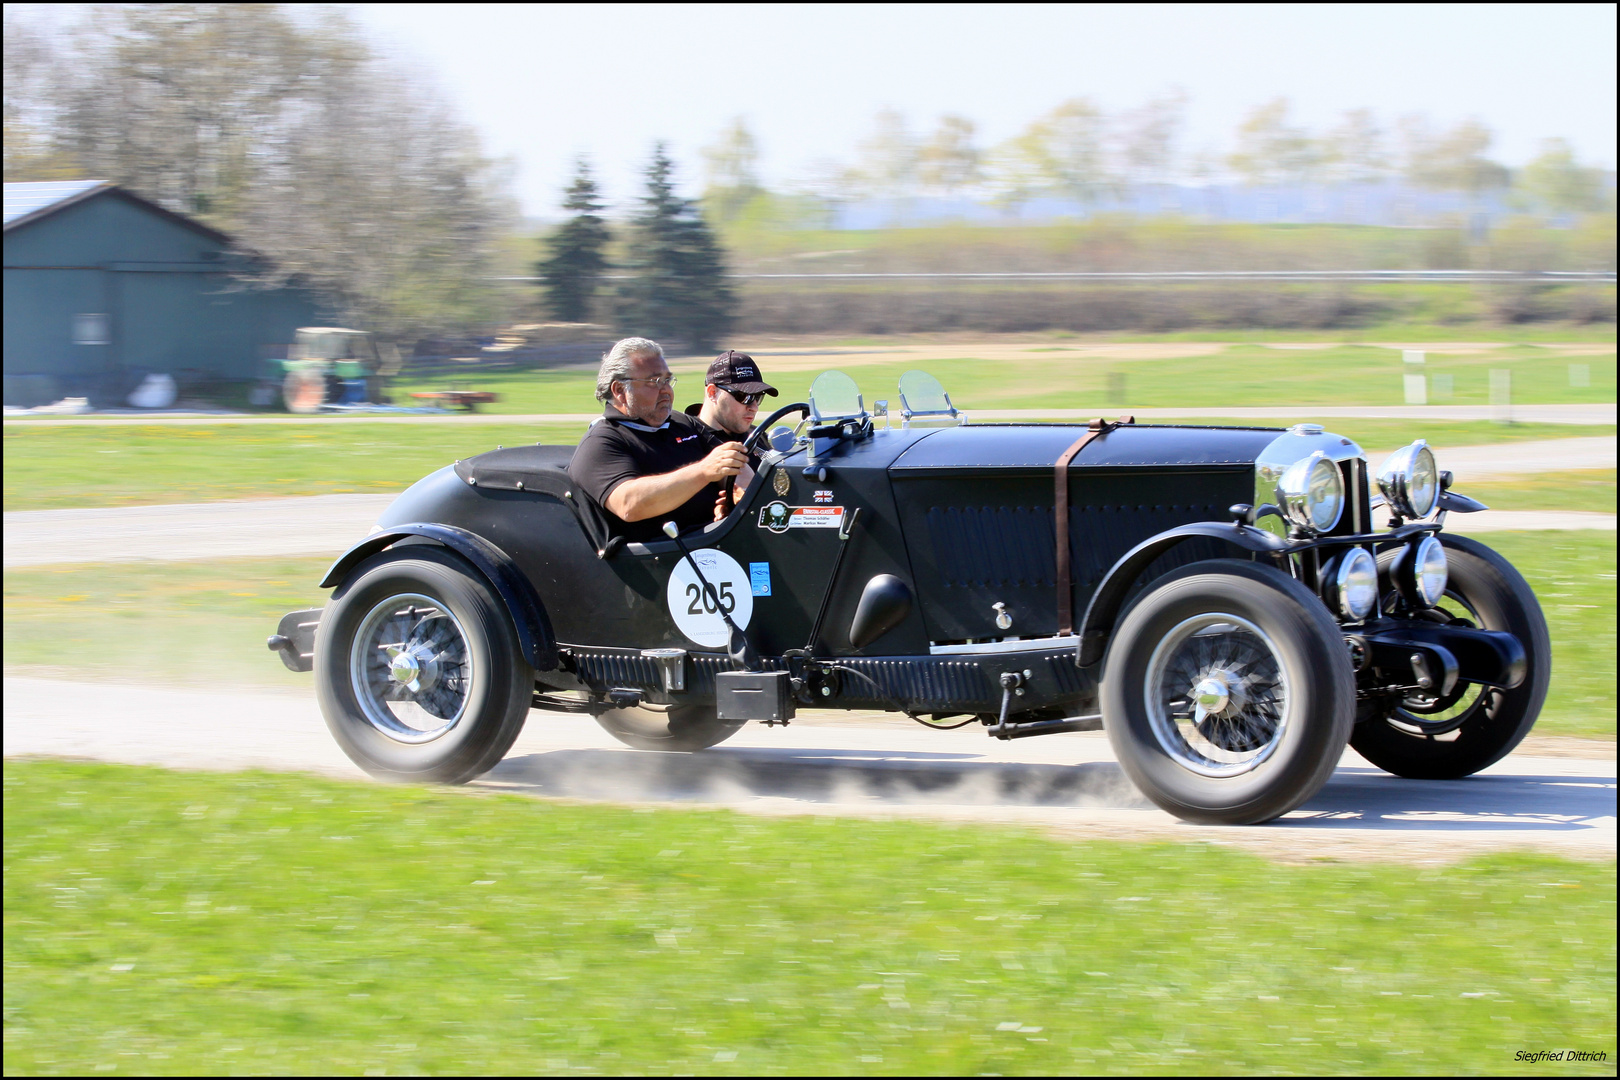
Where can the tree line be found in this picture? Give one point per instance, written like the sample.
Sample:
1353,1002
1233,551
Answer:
1078,152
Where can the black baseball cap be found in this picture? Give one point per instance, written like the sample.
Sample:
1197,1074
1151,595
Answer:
734,370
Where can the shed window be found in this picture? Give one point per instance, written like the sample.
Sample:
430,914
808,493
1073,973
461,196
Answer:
91,330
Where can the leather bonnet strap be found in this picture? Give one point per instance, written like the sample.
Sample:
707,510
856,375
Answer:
1060,520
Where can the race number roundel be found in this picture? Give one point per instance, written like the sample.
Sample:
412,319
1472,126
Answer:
698,614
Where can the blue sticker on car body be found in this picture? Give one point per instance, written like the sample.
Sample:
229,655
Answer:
759,576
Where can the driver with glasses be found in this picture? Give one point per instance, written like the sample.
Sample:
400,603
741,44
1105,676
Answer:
645,464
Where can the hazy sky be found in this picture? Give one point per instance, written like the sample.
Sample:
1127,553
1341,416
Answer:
544,83
547,82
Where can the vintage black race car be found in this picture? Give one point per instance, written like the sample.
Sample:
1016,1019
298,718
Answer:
1220,600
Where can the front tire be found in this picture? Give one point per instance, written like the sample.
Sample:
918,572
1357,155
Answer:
1228,693
418,670
681,728
1478,726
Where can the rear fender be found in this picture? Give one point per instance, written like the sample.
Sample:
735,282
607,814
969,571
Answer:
1110,595
535,636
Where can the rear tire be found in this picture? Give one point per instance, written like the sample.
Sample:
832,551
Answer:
682,728
1228,693
1484,588
418,670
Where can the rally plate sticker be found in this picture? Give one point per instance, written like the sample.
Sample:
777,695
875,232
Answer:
696,610
779,517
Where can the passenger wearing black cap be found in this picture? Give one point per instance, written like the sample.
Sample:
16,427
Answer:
732,391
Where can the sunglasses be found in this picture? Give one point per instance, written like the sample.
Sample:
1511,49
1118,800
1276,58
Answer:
745,400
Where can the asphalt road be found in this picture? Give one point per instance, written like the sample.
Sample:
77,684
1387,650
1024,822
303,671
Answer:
870,766
824,764
327,524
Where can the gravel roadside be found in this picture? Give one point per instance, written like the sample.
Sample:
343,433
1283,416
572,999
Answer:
867,765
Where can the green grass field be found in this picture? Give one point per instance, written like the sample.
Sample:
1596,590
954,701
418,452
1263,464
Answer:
204,623
101,465
60,466
171,923
1579,489
1054,375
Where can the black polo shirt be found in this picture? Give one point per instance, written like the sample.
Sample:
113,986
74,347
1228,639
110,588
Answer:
618,448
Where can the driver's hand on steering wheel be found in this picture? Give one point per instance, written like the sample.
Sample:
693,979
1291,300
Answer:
724,462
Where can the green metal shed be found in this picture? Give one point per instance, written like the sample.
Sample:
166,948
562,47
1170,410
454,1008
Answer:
103,287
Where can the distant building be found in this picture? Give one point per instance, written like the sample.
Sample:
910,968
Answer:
103,287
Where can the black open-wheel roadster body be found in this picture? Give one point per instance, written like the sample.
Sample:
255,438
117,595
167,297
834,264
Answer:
1232,605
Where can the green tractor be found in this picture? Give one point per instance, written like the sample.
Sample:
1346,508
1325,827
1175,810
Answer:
328,365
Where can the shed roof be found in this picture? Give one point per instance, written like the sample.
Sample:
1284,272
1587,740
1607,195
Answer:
28,202
23,200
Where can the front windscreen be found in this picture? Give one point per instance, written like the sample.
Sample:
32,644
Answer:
921,393
835,395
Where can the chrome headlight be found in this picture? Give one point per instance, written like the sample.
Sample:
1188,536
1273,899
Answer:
1311,494
1410,480
1352,584
1420,573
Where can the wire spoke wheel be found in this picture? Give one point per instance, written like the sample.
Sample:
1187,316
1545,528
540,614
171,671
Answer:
1216,695
1442,738
1440,715
1227,693
410,668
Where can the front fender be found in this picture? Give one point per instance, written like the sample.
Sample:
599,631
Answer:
533,625
1110,595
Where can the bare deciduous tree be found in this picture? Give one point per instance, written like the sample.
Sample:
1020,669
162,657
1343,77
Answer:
732,168
1270,150
949,161
1356,152
292,136
1148,136
887,161
1556,183
1450,161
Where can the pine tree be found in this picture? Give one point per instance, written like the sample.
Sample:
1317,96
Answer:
575,259
677,287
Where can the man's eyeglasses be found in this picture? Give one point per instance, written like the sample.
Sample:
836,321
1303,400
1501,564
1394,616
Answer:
657,382
745,400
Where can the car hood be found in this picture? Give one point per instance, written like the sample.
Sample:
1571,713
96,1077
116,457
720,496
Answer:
1021,447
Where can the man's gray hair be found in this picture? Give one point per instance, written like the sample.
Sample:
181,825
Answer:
617,361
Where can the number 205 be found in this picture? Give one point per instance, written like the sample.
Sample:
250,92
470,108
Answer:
727,602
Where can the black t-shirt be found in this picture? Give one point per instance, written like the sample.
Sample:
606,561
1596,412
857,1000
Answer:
617,449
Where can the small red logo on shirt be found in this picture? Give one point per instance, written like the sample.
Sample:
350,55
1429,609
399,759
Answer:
688,438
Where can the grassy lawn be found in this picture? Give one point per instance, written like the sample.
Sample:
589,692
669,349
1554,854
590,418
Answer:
190,623
205,622
1054,375
97,465
50,467
1573,574
173,923
1578,489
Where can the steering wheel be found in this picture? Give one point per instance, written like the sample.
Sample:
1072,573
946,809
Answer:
760,432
